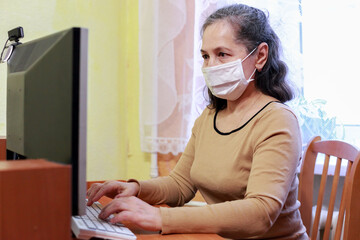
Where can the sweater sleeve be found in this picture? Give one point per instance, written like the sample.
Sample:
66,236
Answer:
177,188
275,159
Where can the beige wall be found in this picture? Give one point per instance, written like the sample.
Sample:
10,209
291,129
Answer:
113,132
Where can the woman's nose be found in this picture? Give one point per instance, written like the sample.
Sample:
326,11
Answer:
212,62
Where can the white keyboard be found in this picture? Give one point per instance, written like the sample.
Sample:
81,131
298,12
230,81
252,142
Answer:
89,225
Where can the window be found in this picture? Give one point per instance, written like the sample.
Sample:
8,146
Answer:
331,59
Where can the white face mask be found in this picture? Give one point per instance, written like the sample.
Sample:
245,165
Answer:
227,81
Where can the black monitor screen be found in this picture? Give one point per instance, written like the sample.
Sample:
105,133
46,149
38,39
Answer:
47,104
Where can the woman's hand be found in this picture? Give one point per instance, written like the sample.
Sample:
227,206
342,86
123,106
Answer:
135,211
111,189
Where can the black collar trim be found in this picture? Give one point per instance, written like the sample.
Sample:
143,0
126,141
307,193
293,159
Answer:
237,129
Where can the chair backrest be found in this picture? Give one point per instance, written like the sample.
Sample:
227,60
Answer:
350,199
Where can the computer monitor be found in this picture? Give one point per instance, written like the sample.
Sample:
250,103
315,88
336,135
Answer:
47,104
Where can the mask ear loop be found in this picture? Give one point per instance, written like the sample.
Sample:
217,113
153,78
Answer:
252,79
249,54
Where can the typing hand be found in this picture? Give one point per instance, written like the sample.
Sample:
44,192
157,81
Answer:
111,189
133,210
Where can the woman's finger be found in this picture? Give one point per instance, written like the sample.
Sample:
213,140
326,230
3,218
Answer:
114,206
109,189
92,192
124,216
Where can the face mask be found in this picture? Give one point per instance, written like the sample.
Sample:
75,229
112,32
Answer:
227,81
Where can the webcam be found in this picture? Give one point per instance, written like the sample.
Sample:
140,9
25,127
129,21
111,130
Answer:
15,34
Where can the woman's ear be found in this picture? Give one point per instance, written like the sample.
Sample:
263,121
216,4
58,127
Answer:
262,56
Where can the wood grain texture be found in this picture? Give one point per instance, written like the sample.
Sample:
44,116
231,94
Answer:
35,200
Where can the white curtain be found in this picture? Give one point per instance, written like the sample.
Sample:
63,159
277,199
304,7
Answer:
172,89
166,63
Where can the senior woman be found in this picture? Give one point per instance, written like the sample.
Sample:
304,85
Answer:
244,149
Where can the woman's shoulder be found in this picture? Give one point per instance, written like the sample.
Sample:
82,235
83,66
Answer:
277,119
277,109
206,115
276,115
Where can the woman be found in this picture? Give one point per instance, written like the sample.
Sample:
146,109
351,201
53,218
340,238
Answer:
244,149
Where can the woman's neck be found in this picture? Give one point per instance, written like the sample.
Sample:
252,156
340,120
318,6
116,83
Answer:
248,99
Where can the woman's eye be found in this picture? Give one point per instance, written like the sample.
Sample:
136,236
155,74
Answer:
221,54
205,56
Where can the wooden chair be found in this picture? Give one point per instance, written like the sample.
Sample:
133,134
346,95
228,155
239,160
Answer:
350,199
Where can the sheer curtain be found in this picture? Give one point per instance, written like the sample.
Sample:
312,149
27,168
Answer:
172,89
166,66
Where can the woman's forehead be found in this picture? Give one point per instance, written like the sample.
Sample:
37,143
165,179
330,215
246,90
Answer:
219,33
220,28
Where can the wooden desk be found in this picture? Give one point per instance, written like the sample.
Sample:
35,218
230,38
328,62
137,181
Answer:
146,235
35,200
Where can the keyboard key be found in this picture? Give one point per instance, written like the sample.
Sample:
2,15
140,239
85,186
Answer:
108,227
89,224
99,225
119,229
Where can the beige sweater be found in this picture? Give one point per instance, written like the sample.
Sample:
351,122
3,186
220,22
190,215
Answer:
247,177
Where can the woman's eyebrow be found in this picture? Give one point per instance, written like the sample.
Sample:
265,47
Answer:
220,48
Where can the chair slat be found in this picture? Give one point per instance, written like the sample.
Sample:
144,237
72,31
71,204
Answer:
332,199
340,220
320,197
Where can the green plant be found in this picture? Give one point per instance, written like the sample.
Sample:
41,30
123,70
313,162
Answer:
314,120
